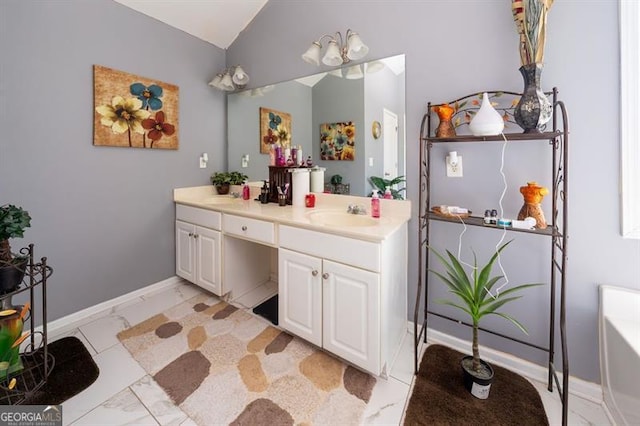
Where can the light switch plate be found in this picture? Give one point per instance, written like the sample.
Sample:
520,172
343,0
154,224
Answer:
454,171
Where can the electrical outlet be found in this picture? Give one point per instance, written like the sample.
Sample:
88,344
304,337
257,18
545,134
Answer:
454,171
244,161
203,163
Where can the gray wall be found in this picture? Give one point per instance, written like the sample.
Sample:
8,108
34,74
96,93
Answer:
337,100
381,91
457,47
243,112
103,216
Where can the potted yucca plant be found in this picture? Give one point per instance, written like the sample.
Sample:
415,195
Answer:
477,300
13,221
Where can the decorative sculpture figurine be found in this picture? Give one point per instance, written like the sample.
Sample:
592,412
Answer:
445,128
533,194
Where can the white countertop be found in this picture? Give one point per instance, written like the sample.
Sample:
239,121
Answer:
394,213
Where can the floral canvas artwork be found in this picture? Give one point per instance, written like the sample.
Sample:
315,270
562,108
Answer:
275,127
133,111
338,141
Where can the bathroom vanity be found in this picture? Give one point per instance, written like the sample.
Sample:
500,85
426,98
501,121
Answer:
341,278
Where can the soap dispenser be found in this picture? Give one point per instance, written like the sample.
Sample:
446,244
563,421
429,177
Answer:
375,204
387,194
264,193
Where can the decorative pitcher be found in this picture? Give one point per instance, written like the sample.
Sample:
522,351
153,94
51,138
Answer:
445,128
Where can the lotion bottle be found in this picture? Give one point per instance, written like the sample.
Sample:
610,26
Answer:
375,204
387,194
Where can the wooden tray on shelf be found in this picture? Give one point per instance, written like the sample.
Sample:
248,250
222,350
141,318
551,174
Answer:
438,212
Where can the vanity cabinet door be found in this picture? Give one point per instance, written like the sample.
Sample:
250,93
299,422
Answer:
198,256
208,274
185,251
300,295
351,314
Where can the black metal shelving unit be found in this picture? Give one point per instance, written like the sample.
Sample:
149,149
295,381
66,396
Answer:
37,360
558,140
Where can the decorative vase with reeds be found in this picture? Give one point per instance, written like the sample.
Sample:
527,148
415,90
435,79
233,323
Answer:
534,109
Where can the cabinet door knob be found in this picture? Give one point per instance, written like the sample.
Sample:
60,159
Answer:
325,275
314,273
191,234
195,235
244,227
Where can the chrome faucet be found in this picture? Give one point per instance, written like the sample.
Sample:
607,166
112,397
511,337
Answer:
356,209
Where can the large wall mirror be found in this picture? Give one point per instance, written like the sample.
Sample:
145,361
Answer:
371,96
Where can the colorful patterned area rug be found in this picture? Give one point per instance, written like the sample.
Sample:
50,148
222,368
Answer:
222,365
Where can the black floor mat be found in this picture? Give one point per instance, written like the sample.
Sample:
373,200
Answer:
74,370
268,309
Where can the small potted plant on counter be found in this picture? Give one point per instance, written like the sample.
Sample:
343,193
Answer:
477,300
223,180
13,221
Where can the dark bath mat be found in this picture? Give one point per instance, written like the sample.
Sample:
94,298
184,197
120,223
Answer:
268,309
439,396
73,371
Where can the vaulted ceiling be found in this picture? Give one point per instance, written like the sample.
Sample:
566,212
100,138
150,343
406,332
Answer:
216,21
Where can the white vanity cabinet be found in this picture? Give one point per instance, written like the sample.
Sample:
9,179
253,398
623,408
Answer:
342,295
198,247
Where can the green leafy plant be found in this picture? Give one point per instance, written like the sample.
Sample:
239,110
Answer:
381,184
474,293
228,178
13,221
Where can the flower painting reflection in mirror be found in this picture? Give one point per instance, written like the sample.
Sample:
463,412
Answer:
275,128
133,111
338,141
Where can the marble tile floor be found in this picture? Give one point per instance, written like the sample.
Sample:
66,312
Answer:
124,394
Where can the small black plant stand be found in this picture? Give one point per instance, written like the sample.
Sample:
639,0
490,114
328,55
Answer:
38,362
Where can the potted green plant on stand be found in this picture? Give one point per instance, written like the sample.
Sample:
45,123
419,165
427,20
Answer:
223,180
477,300
13,221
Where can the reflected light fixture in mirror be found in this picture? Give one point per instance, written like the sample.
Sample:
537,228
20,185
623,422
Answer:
354,73
230,79
339,51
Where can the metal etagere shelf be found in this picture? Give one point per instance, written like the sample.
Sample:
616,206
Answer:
37,360
558,140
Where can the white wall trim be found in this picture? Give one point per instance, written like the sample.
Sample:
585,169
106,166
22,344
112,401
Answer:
578,387
629,15
72,321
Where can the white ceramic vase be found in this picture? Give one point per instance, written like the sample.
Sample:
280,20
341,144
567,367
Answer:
487,121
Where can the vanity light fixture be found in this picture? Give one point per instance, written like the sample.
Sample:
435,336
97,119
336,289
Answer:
230,79
338,52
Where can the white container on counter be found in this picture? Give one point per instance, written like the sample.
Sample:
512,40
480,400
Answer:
317,179
299,186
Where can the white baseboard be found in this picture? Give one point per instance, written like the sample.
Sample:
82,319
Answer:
578,387
72,321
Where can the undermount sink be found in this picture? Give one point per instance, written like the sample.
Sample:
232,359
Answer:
339,218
